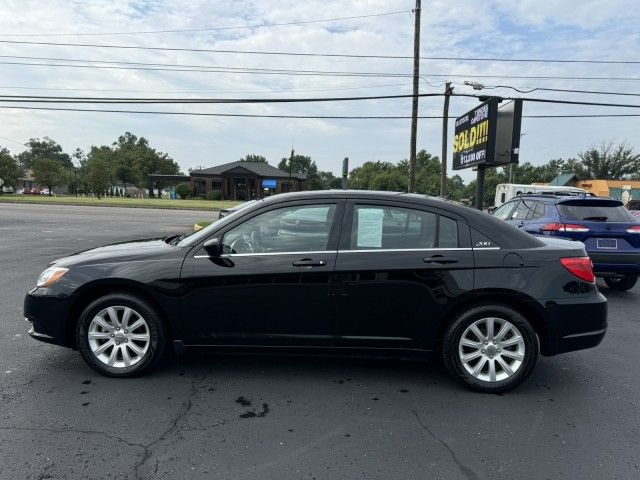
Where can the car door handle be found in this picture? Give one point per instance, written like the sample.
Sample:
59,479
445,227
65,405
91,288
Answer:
308,262
440,259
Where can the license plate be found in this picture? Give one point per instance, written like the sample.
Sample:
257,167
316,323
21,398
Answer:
608,243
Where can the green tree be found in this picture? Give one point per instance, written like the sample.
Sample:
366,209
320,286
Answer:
303,164
48,172
184,190
9,170
609,160
254,158
45,148
134,160
99,168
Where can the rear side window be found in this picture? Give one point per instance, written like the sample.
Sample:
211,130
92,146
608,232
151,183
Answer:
603,213
504,211
389,228
538,211
522,211
447,233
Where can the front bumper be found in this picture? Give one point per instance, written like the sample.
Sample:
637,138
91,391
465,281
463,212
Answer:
575,324
615,262
48,316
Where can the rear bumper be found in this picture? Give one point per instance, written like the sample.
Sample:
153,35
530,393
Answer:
614,262
575,324
48,317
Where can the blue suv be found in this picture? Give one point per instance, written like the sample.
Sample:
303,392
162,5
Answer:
611,235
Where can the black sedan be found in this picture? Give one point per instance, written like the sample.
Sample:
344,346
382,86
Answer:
330,271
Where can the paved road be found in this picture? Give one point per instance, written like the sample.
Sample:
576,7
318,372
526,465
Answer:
257,417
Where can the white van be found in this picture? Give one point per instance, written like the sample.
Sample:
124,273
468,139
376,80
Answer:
506,191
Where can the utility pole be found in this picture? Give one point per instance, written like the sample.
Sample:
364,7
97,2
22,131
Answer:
448,90
345,172
414,109
290,169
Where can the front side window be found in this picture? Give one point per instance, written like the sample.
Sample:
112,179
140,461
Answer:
302,228
390,228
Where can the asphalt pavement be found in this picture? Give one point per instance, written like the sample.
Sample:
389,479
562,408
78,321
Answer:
227,416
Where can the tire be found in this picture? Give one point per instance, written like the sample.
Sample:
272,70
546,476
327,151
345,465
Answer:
143,345
517,348
621,284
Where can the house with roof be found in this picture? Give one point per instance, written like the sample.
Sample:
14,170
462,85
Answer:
624,190
237,180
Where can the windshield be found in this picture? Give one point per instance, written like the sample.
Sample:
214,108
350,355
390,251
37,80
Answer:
195,237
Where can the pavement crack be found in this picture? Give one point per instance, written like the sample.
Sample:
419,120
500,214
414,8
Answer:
468,472
147,453
76,431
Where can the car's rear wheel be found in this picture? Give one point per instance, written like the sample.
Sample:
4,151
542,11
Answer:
491,348
120,335
621,284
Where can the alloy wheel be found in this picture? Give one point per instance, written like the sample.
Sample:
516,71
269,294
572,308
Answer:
491,349
119,336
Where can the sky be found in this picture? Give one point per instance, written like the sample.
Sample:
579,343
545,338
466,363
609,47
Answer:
540,29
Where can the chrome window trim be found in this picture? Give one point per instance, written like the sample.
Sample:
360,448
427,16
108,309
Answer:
318,252
302,252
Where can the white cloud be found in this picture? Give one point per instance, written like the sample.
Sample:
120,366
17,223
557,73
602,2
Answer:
526,28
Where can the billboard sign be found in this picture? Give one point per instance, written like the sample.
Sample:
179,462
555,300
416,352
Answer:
488,135
507,143
471,144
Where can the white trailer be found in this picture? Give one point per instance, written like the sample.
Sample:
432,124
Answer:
506,191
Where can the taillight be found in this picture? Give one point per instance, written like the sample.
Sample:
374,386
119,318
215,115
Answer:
634,229
580,267
564,227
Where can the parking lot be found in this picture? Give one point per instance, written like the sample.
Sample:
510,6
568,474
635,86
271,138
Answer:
290,417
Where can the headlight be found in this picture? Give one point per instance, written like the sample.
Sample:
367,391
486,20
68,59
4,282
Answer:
50,276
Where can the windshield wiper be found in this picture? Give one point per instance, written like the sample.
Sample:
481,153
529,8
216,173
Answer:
600,219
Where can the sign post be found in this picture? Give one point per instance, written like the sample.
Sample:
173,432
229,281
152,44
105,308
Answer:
487,136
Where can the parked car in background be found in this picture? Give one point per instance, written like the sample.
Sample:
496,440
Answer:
226,211
634,207
610,234
34,191
8,190
340,270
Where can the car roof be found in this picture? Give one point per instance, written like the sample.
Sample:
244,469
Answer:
497,230
549,198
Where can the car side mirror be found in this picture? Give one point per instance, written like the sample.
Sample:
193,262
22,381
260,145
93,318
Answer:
213,247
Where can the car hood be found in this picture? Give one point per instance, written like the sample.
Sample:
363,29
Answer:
146,248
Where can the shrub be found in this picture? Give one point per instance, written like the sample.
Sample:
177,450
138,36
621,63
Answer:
214,195
184,190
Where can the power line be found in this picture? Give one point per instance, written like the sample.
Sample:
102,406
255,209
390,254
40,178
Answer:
333,55
208,29
302,117
12,140
67,89
320,73
133,100
544,89
61,99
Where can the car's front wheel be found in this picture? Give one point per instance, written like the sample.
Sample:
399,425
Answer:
491,348
120,335
621,284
